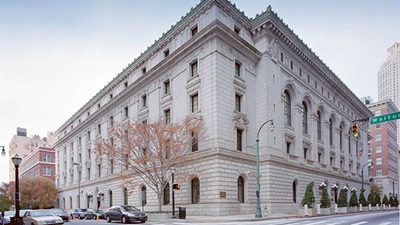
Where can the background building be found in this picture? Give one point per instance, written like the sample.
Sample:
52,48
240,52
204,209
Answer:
389,78
40,162
235,73
384,148
23,146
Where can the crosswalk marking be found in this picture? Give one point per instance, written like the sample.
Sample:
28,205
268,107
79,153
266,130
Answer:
359,223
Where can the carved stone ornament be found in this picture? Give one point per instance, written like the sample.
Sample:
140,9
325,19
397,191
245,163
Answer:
71,170
240,120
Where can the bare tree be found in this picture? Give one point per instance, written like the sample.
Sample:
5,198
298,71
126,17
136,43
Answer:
147,151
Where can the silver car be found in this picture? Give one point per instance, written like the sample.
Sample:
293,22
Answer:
40,217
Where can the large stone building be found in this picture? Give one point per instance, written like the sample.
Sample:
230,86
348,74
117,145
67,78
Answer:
389,78
235,73
384,148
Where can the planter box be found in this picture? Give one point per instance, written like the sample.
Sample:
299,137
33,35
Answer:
353,209
365,209
342,210
310,212
326,211
160,215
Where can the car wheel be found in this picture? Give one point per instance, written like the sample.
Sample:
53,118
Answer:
143,221
108,219
123,219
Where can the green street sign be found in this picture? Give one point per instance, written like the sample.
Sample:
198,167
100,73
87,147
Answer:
384,118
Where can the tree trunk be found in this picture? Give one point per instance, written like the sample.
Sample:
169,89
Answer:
159,202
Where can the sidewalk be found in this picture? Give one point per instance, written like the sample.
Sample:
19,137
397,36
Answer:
230,218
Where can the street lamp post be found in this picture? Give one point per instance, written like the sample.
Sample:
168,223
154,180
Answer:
362,174
79,183
173,193
16,161
3,151
393,185
258,207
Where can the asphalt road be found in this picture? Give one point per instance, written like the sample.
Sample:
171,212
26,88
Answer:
372,218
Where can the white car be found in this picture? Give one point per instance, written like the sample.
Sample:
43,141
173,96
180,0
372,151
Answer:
40,217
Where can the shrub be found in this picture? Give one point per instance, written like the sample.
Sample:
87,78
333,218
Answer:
362,199
353,199
385,200
377,199
325,200
371,199
309,198
343,198
391,200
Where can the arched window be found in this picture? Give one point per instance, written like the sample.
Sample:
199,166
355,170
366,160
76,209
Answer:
110,194
341,137
70,202
64,203
195,191
294,191
166,194
287,109
304,118
349,140
240,185
330,131
144,196
319,126
58,203
126,196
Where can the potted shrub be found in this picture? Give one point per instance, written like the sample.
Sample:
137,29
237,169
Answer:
363,201
353,201
308,200
325,202
342,202
370,200
377,199
385,201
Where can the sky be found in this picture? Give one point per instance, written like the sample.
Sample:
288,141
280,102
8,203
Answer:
56,55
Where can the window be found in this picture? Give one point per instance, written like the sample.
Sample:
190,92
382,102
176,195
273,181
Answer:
378,137
304,118
378,126
291,64
110,193
126,112
349,139
319,157
237,69
195,143
300,72
294,191
193,69
79,141
195,103
305,153
340,137
237,102
378,149
379,172
143,70
99,169
166,194
239,143
144,101
288,144
98,129
46,158
111,121
126,196
98,106
126,84
319,126
46,171
144,196
236,30
281,56
194,30
379,161
330,132
167,89
240,186
111,166
287,109
195,185
111,96
167,114
88,136
166,53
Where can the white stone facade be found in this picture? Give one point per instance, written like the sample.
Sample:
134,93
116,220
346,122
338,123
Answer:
240,70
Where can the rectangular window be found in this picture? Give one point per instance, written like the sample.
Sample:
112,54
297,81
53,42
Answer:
194,30
378,137
281,56
237,69
167,87
193,69
46,171
238,99
195,103
88,136
144,70
379,172
111,96
319,157
167,114
236,30
166,53
126,84
378,126
291,64
195,143
300,72
46,158
239,139
288,147
79,141
305,153
99,129
378,149
144,101
379,161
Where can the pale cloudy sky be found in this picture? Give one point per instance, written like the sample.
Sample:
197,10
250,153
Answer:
56,55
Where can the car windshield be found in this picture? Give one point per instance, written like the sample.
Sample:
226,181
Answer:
58,211
40,213
98,211
129,208
9,213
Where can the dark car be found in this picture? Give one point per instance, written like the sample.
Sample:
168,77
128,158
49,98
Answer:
61,213
125,214
75,214
86,214
98,213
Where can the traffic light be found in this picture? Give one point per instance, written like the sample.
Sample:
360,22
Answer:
176,187
355,130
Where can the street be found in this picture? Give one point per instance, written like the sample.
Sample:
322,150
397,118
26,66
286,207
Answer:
373,218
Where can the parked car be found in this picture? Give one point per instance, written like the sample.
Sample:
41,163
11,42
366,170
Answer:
75,213
86,214
7,219
125,214
39,217
99,213
61,213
